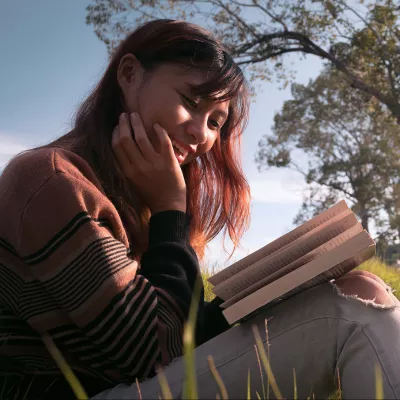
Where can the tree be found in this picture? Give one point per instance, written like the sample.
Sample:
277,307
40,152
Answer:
352,149
360,39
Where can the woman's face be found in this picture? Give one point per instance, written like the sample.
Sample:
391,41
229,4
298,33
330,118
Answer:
163,95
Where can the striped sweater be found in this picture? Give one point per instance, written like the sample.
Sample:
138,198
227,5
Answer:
66,270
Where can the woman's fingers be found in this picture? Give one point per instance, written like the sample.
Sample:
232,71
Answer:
128,143
119,151
141,138
166,144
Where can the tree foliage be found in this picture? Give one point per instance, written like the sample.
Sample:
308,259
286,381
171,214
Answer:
360,38
352,149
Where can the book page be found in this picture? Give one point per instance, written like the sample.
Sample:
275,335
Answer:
328,246
290,253
278,243
299,276
331,274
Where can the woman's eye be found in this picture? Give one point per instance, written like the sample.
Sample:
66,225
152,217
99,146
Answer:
216,124
191,102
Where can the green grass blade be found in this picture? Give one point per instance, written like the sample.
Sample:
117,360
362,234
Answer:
165,390
266,364
294,385
217,377
190,382
378,382
261,371
65,368
248,385
29,387
138,388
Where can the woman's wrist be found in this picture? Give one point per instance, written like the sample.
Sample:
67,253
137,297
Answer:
169,226
170,206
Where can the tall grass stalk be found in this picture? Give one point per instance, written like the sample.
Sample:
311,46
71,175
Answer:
138,388
165,390
261,371
27,390
190,382
217,377
65,368
266,364
378,382
248,385
294,385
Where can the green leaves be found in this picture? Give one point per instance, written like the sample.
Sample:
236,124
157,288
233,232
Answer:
351,149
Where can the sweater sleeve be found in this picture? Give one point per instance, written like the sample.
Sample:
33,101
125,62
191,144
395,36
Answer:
115,319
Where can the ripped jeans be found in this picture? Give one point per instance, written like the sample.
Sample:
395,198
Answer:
330,339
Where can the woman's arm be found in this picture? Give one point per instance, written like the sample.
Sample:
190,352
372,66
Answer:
116,320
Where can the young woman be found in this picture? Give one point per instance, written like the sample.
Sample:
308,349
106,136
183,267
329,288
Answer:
101,229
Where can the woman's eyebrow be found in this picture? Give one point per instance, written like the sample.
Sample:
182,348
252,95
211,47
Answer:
192,87
222,113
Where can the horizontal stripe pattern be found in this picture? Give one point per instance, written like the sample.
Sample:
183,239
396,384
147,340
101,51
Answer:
70,274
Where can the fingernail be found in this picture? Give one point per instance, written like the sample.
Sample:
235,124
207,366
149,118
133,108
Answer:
134,116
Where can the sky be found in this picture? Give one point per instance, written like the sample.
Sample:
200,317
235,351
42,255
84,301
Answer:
50,61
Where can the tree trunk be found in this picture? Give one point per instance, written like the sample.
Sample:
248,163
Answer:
364,218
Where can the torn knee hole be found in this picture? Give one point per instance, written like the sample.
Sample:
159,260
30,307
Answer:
367,288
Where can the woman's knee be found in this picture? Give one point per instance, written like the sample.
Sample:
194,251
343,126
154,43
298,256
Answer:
368,288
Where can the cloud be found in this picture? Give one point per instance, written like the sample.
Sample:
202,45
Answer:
276,191
215,257
9,147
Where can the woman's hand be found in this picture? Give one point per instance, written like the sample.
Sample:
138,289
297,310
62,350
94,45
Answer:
157,177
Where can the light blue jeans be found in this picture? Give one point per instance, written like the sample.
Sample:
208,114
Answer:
328,338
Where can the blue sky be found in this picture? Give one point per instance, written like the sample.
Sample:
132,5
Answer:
50,60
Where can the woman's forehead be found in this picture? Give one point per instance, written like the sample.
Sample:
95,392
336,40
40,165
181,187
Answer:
187,73
190,77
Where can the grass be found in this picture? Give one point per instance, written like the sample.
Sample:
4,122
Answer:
390,275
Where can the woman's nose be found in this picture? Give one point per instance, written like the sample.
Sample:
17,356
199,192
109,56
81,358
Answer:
198,130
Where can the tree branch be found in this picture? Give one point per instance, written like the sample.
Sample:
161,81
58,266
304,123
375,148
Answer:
246,26
264,58
310,47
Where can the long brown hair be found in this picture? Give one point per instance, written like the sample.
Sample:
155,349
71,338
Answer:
218,193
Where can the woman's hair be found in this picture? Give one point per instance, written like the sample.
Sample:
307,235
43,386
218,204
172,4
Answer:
218,193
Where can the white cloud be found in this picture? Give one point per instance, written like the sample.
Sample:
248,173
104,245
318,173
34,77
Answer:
9,147
276,191
217,258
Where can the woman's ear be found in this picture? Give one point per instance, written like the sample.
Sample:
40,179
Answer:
128,72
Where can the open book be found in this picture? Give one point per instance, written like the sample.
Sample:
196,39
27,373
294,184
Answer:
324,248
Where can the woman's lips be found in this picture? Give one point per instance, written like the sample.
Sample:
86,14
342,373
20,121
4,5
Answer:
179,156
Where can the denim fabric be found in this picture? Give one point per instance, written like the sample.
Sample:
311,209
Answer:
327,338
